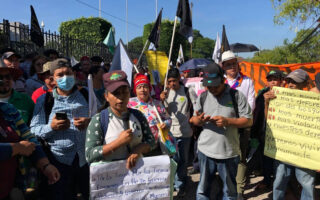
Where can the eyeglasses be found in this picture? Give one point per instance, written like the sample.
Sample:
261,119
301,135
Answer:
6,76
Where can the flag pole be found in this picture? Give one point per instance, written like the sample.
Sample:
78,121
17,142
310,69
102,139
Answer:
170,52
145,45
135,68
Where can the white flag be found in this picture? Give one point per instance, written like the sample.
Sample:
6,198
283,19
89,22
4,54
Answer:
121,61
73,61
152,47
216,52
180,58
93,105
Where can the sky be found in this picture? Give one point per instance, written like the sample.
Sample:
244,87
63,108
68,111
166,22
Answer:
246,21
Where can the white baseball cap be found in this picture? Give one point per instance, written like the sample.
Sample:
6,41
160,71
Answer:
227,55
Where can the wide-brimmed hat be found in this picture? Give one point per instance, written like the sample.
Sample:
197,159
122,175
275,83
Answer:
46,67
227,55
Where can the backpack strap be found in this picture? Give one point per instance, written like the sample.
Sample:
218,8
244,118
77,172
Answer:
48,104
104,121
234,94
186,91
203,97
84,93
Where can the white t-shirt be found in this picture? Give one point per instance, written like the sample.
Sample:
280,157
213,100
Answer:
178,109
247,88
115,127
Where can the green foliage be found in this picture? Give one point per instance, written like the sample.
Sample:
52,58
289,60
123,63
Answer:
296,10
289,53
93,29
201,47
135,46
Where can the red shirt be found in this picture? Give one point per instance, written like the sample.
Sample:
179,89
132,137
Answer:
38,92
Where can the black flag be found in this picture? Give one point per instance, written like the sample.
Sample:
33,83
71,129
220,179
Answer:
183,11
35,31
224,42
154,36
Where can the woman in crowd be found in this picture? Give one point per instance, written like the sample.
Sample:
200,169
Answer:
118,132
49,83
97,73
144,103
36,79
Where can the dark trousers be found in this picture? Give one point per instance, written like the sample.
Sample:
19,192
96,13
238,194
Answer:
242,166
73,179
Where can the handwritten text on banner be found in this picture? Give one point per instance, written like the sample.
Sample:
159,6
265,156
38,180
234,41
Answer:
293,128
148,180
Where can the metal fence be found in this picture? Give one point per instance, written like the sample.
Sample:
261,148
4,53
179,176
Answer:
17,36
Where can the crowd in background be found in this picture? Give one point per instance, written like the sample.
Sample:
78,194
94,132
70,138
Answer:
48,139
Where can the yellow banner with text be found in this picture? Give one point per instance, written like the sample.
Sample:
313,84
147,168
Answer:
293,128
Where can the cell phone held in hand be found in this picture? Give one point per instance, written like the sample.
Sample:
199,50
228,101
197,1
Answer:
61,115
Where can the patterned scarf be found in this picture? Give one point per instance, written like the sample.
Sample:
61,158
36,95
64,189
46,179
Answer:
237,82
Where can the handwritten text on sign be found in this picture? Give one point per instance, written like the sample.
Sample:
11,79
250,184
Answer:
150,179
293,128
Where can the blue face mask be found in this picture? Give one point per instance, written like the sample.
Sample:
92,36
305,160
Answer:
66,83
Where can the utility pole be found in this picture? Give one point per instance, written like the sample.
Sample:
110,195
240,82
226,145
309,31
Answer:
156,8
100,8
127,23
191,6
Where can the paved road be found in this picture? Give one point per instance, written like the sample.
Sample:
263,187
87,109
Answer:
250,193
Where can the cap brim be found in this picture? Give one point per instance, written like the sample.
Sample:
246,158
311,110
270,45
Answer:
114,86
296,79
212,82
274,75
229,59
44,71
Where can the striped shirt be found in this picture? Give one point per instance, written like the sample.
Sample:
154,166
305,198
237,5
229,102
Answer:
15,121
67,143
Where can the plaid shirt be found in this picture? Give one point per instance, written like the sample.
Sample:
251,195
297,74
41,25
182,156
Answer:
67,143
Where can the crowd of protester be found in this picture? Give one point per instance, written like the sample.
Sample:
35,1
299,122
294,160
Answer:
45,126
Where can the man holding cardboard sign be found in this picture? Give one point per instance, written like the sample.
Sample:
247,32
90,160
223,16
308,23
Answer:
279,142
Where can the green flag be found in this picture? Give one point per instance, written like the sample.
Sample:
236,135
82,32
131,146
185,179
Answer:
109,40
